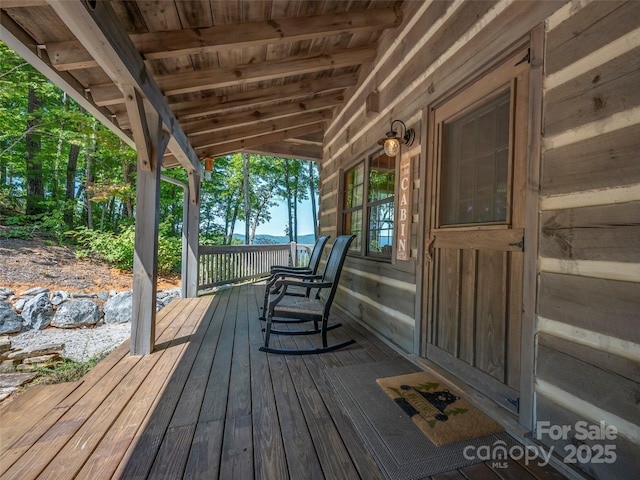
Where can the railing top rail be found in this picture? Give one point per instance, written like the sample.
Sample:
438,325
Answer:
242,248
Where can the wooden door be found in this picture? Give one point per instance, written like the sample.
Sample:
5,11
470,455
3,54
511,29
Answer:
477,165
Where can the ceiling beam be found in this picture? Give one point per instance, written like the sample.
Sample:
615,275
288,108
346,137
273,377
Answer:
254,130
288,150
109,94
166,44
256,72
97,27
261,96
262,115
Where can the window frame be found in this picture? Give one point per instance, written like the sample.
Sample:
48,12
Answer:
367,205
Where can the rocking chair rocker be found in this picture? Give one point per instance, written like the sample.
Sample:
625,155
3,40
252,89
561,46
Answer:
279,272
314,307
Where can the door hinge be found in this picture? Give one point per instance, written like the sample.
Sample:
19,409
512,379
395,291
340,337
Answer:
519,244
515,403
526,58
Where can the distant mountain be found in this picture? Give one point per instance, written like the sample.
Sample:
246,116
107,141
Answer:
273,239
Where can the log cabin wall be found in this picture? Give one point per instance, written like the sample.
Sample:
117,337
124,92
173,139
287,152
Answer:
588,325
439,48
587,279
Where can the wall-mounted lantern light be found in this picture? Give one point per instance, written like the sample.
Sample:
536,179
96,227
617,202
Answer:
208,168
392,141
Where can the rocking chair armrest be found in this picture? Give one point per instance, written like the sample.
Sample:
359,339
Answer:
275,269
303,284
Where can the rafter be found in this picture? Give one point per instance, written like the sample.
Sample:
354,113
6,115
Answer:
254,130
97,27
261,96
288,150
200,127
166,44
257,72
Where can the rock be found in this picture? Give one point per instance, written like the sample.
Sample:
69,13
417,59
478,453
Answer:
10,321
36,351
35,291
5,345
8,365
112,293
6,291
118,309
8,380
53,357
83,295
103,296
38,312
75,314
58,297
20,303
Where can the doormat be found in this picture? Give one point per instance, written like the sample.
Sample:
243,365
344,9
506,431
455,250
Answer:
400,449
441,414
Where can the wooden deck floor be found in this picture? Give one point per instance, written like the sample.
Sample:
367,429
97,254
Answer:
206,404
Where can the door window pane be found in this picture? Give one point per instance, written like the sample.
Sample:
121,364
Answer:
475,165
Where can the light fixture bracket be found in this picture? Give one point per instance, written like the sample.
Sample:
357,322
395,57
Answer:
392,140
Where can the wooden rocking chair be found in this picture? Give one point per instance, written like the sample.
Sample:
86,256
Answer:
281,271
314,307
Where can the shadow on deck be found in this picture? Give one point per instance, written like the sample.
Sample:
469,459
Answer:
206,404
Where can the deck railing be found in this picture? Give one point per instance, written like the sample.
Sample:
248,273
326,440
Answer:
226,264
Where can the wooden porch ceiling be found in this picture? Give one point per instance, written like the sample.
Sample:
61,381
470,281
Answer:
235,75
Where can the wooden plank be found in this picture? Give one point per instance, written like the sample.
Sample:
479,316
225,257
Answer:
600,358
222,122
256,96
206,451
509,469
241,74
302,461
116,420
490,239
600,162
448,302
490,314
240,145
139,458
588,29
513,337
329,447
605,390
256,129
605,306
212,39
605,233
604,91
468,305
479,471
627,460
27,410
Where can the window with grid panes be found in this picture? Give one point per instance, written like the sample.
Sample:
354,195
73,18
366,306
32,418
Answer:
368,210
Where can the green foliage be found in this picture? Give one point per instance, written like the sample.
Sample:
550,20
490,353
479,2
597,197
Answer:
66,371
118,249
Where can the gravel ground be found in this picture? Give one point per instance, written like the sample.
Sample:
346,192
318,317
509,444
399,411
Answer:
80,344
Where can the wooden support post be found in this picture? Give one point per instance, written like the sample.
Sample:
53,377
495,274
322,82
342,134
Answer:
192,227
145,261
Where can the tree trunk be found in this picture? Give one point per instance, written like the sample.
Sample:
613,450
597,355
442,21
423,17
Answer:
90,152
312,196
247,200
127,171
35,185
70,187
287,185
233,223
